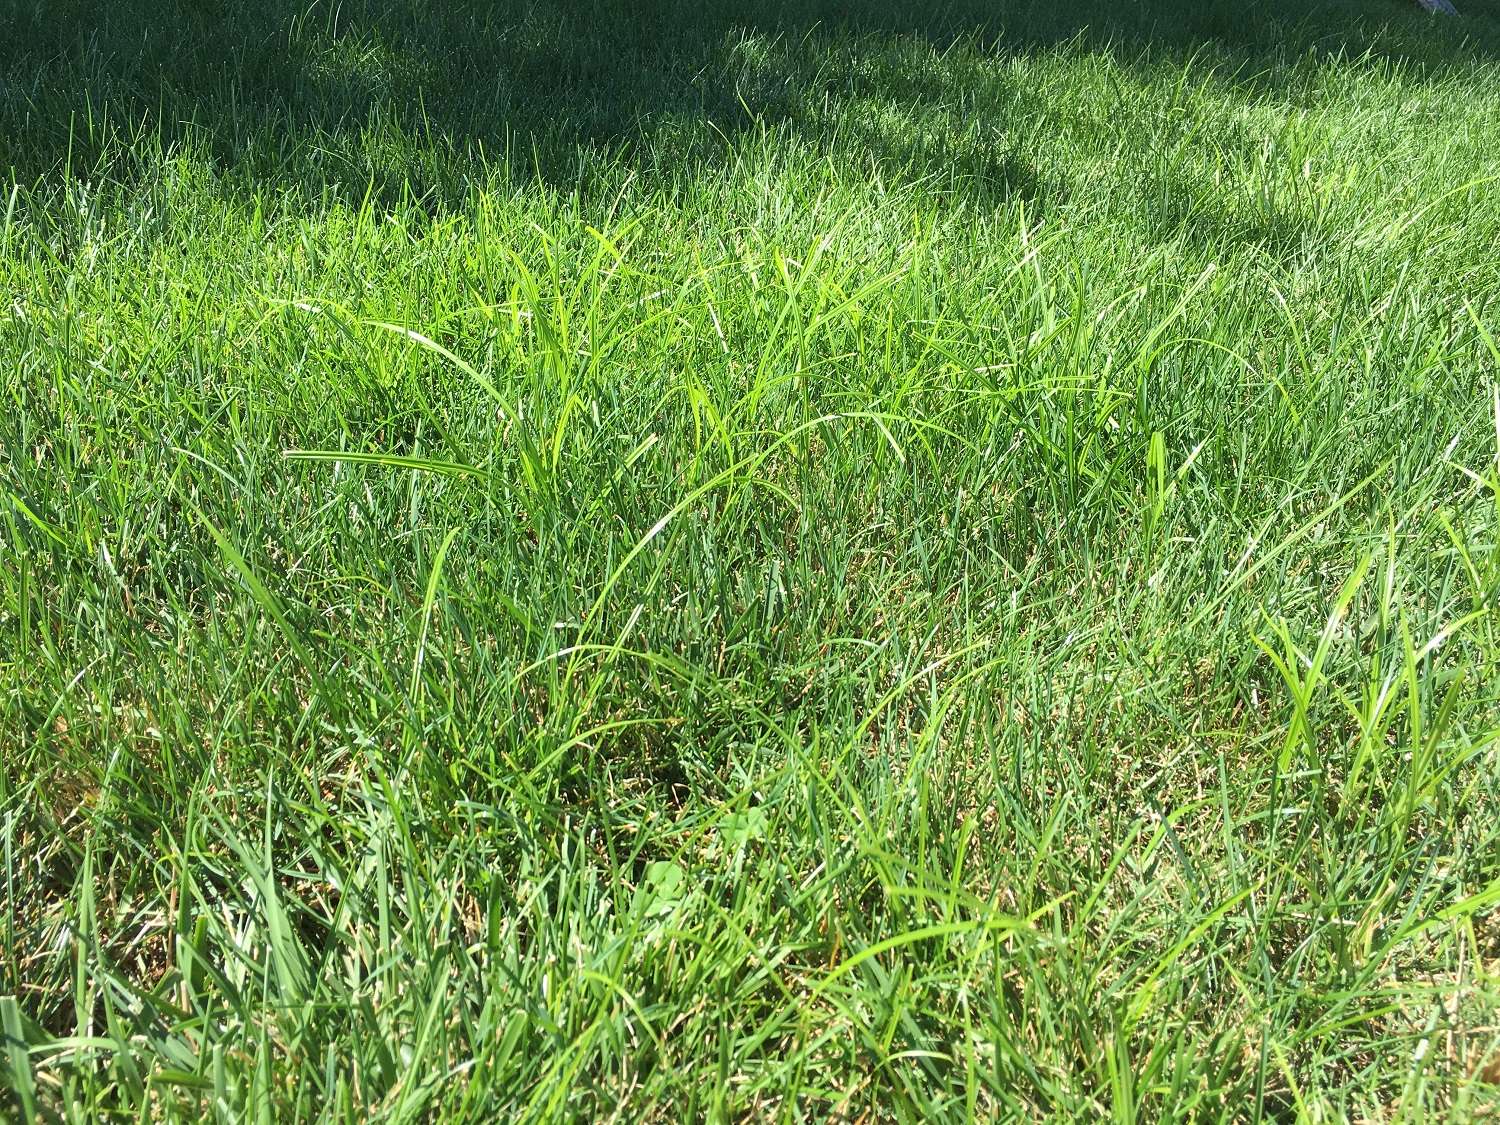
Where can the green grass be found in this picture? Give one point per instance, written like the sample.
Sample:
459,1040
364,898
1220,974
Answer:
790,561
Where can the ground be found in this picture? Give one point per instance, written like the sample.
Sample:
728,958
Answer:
783,560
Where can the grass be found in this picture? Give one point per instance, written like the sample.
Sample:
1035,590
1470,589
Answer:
785,561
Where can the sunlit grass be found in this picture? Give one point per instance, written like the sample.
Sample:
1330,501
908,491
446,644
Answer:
736,565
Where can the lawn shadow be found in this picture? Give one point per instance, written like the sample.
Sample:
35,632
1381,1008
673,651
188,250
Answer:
390,97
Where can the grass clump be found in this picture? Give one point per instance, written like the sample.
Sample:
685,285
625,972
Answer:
801,562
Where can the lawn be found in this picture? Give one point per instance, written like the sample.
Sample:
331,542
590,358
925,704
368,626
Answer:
782,560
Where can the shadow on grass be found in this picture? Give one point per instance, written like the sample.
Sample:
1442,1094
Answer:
391,97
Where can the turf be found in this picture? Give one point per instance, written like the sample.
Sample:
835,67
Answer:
760,561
